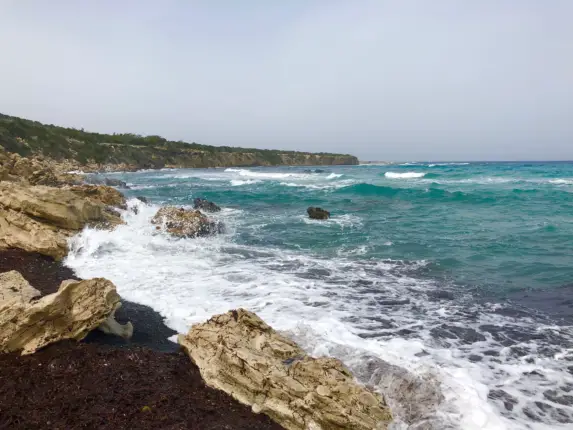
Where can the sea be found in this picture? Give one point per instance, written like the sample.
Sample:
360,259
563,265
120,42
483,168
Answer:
446,286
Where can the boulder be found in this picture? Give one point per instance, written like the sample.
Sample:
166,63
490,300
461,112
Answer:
18,230
142,199
100,193
28,323
317,213
116,183
182,222
239,353
36,170
205,205
41,219
59,207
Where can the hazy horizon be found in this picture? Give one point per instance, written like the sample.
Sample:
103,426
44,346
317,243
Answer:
382,80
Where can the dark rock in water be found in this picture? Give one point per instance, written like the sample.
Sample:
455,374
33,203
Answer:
142,199
116,183
474,358
205,205
317,213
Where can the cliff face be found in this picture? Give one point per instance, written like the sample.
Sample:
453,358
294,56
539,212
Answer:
123,157
95,151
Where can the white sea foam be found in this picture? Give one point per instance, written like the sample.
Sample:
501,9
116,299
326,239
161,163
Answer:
266,174
404,175
334,175
331,307
239,182
562,181
447,164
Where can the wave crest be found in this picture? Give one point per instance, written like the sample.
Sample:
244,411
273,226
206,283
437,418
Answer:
404,175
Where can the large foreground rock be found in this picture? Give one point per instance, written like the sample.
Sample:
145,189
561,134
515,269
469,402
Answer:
239,353
182,222
41,219
28,323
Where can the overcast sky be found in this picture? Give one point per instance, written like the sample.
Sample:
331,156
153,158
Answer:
381,79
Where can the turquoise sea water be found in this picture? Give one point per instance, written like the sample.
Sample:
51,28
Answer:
461,271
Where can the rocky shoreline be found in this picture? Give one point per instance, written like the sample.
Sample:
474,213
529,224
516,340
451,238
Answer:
233,371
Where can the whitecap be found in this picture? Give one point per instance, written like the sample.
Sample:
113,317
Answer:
334,175
239,182
404,175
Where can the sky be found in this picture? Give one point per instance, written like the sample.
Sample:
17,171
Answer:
380,79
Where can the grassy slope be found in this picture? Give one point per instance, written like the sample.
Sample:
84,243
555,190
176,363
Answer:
27,137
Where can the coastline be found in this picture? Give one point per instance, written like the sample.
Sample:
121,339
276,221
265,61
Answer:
53,380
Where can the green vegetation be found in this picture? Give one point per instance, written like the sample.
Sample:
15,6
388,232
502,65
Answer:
27,137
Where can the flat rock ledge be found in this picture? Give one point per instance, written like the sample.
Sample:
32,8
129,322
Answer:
240,354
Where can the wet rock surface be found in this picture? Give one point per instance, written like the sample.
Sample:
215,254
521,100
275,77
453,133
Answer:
317,213
185,223
205,205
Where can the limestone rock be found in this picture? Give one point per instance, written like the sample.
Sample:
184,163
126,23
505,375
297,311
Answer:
239,353
13,287
181,222
35,170
71,313
59,207
18,230
318,213
100,193
205,205
41,219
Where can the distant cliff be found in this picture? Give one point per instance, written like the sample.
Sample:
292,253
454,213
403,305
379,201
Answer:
96,151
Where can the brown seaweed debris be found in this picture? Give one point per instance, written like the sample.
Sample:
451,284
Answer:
79,386
42,272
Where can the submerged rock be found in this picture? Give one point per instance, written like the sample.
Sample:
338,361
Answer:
317,213
239,353
205,205
142,199
28,323
182,222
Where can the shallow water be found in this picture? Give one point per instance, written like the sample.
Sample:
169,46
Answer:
460,273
